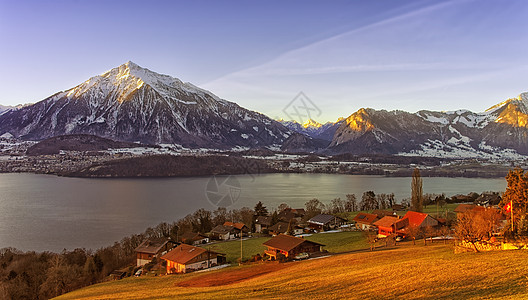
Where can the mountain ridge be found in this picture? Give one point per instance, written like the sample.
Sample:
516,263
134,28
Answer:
131,103
134,104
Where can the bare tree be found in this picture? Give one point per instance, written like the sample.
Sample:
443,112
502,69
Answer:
338,206
371,238
413,232
473,226
351,203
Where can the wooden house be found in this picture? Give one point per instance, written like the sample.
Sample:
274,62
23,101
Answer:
386,225
324,222
186,258
193,238
224,233
262,223
291,214
241,227
414,219
382,213
365,221
283,228
290,246
152,248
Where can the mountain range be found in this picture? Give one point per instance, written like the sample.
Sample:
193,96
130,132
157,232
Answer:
133,104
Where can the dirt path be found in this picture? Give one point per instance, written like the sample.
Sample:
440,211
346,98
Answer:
232,276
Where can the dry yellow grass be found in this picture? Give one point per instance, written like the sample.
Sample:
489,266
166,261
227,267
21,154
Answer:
407,272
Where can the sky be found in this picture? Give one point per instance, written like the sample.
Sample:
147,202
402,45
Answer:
341,55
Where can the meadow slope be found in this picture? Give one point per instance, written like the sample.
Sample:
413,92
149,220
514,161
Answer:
405,272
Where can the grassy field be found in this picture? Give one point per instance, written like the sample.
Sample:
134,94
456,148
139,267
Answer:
405,272
334,242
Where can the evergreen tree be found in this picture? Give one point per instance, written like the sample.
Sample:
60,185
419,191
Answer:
517,194
260,209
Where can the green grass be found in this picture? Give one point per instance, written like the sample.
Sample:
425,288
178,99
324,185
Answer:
333,241
432,209
340,241
250,247
405,272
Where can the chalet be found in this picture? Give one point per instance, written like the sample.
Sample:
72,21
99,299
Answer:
239,226
186,258
290,214
462,208
386,225
224,233
382,213
365,221
398,207
193,238
414,219
283,228
262,223
152,248
324,222
290,246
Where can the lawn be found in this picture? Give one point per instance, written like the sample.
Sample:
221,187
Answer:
333,241
405,272
250,247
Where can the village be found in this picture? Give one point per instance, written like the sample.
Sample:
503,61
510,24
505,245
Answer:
289,236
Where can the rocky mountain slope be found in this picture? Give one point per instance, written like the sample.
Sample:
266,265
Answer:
314,129
499,132
131,103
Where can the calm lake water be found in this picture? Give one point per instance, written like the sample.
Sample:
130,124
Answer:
45,212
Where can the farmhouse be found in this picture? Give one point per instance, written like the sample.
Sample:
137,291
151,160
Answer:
151,248
414,219
386,226
462,208
283,228
289,214
382,213
365,221
224,233
186,258
193,238
262,223
324,222
239,226
290,246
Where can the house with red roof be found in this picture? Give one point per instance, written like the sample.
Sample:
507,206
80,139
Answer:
365,221
151,248
186,258
386,225
290,246
414,219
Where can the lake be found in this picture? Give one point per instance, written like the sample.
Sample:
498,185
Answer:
46,212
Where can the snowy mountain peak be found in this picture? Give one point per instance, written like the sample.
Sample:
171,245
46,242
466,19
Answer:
311,123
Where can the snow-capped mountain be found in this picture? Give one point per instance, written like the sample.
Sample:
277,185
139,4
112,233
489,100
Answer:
499,132
3,109
314,129
131,103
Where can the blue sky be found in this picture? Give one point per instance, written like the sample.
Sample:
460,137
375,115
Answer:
344,55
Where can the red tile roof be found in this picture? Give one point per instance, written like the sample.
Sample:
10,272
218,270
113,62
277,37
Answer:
238,226
463,208
365,218
184,253
417,218
286,242
152,246
386,221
